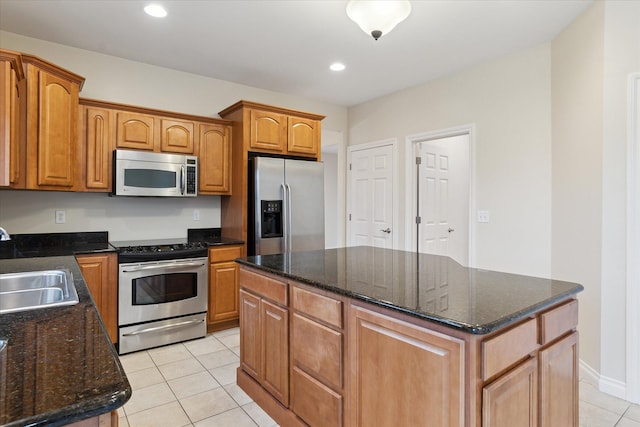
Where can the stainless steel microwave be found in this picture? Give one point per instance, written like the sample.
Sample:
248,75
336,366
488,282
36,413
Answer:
139,173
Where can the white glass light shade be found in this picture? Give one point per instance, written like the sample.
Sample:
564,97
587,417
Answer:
378,17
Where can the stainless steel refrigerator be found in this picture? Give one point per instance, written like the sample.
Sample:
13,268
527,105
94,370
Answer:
287,204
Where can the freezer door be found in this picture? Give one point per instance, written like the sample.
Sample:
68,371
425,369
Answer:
305,205
269,187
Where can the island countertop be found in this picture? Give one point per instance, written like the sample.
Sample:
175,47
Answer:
59,365
431,287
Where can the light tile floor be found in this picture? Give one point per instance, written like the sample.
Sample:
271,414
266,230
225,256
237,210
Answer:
194,384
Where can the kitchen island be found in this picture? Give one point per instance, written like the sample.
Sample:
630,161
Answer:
365,336
59,366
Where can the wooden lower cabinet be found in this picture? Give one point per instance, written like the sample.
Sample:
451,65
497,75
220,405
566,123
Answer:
512,400
264,343
100,272
422,368
558,366
224,282
348,362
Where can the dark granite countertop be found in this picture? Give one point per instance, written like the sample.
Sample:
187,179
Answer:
55,244
430,287
59,365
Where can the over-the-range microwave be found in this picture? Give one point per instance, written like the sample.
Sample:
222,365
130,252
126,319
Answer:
139,173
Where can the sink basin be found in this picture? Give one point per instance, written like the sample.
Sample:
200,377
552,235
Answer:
36,289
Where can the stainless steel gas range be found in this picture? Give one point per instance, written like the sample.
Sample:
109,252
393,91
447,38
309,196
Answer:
162,293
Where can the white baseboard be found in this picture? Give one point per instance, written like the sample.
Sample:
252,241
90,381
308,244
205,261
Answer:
604,384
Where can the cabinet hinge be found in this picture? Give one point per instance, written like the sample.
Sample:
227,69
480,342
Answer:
349,166
418,160
349,217
418,220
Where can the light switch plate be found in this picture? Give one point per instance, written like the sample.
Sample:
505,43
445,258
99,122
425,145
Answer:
483,216
196,215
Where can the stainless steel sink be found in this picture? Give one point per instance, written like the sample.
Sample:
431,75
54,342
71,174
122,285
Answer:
36,289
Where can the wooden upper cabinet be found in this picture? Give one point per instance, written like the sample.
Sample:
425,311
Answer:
97,139
176,136
12,95
51,126
268,131
303,136
135,131
214,155
106,126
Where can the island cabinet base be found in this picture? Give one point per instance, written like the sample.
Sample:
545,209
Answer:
283,416
350,362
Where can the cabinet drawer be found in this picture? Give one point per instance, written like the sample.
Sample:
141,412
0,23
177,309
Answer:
315,403
266,287
324,309
225,253
502,351
558,321
317,349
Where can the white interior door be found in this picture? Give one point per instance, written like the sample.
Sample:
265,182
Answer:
371,197
443,198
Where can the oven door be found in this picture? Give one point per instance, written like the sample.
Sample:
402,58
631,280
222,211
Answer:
156,290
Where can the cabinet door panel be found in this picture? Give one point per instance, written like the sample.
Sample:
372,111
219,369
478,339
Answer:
318,350
214,155
98,144
135,131
315,403
250,334
390,357
176,136
223,292
100,274
511,400
268,131
559,383
57,131
303,136
276,350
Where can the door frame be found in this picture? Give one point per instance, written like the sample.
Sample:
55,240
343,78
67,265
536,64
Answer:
633,243
393,142
412,142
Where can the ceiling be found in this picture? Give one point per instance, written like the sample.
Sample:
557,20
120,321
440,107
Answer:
287,45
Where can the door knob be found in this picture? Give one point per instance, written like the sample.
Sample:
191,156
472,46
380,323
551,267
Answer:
451,230
387,230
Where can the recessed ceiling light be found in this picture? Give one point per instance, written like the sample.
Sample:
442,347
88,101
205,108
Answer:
337,66
155,10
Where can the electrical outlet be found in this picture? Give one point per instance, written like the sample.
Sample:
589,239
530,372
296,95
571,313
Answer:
61,217
196,215
483,216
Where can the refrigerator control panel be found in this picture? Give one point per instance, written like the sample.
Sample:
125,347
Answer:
271,218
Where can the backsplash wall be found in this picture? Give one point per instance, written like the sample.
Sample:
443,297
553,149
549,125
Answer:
125,218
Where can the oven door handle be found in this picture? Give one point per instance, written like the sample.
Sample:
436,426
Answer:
163,267
164,328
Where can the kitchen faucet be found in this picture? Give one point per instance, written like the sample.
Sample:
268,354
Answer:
4,235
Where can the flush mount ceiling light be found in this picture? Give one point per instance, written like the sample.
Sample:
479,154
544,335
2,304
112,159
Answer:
337,66
155,10
378,17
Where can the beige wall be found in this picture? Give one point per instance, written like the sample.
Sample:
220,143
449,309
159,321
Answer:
577,56
508,100
129,82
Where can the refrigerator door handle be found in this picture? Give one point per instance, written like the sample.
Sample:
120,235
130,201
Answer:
288,236
285,215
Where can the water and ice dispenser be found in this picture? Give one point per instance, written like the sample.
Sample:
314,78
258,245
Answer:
271,218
